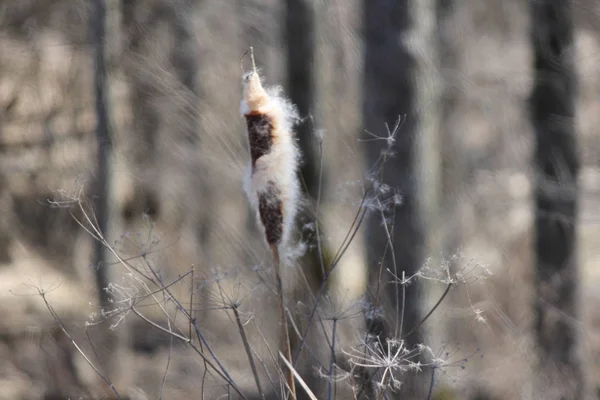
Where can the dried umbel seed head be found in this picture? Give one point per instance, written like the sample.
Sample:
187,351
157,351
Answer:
271,181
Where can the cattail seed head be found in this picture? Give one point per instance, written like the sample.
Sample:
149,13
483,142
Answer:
271,182
255,96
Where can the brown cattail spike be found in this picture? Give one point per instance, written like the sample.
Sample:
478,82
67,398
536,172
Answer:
271,213
260,135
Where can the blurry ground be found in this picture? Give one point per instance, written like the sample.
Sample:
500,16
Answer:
47,144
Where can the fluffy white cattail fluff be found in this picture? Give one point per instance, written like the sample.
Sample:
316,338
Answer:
271,181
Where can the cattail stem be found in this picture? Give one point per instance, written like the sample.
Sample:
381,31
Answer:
286,347
252,58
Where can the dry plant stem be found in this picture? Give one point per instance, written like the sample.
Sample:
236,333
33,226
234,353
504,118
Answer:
318,230
399,332
321,322
91,342
414,329
223,372
203,381
295,329
390,246
181,308
190,320
300,380
356,223
431,384
331,383
94,231
62,328
435,306
164,380
285,336
202,339
191,312
242,331
381,391
274,358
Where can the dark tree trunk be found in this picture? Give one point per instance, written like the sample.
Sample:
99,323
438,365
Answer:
146,23
146,117
112,358
104,139
299,35
556,169
300,47
453,165
388,94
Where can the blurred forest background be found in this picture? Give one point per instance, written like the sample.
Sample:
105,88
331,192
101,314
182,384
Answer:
494,109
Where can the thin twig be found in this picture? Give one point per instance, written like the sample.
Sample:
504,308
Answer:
297,375
273,357
248,351
350,236
431,383
390,245
191,304
286,345
224,374
200,335
436,305
93,230
203,381
318,230
91,342
252,58
164,380
214,356
331,384
399,332
161,289
85,357
154,324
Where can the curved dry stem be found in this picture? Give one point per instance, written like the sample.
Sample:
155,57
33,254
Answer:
285,335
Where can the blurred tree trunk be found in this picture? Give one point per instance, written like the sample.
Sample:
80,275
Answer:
300,46
389,92
104,139
160,41
300,38
155,28
556,170
453,166
163,144
428,91
112,358
145,116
